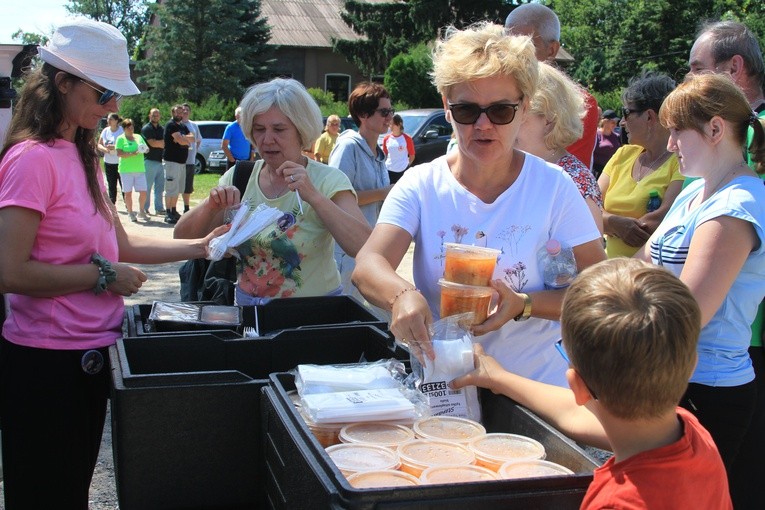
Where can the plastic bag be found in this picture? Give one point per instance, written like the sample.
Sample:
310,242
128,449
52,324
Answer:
245,224
453,348
357,392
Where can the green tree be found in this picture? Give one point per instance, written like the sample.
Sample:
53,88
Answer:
205,47
392,28
129,16
408,78
30,37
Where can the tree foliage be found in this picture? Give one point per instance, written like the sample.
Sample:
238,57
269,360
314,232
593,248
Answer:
129,16
392,28
612,40
408,78
206,47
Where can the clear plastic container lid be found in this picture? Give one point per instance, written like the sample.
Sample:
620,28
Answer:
457,474
385,478
532,469
448,428
498,448
218,314
378,433
354,458
424,453
472,251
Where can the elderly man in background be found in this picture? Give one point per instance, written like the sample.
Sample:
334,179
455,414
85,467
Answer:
542,25
234,144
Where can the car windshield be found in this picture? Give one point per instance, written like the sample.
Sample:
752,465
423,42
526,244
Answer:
413,122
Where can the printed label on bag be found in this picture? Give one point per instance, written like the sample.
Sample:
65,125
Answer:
444,401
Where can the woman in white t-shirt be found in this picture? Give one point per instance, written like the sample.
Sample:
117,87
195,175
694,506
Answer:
488,193
398,148
107,145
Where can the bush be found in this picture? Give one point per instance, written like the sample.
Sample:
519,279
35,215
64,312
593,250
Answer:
214,108
327,103
408,79
609,100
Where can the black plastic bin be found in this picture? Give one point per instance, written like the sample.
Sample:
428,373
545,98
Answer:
277,315
186,429
300,475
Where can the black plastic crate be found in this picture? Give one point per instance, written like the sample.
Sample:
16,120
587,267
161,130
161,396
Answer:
186,430
277,315
300,475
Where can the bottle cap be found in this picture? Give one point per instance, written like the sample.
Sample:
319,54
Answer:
653,193
553,247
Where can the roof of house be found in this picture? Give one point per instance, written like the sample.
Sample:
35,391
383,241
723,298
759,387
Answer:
307,23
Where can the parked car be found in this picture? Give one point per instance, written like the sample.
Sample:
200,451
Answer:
212,134
217,162
430,132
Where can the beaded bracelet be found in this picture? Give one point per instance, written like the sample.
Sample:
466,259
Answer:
106,273
401,293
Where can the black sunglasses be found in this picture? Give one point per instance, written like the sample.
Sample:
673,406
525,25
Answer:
626,112
562,351
106,95
468,113
386,112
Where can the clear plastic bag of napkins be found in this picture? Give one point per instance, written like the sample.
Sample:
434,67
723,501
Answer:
453,348
357,392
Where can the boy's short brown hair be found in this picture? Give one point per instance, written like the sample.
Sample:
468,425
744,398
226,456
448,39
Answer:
364,100
631,329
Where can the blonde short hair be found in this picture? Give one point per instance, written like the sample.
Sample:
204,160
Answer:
292,99
483,51
631,330
332,118
561,102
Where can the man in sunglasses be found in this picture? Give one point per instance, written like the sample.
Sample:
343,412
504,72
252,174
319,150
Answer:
543,26
363,161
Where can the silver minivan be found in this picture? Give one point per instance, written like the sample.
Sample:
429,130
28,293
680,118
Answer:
212,134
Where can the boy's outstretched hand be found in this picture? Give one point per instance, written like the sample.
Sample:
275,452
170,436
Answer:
485,375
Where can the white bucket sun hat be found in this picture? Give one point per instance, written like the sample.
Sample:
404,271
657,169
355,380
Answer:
92,50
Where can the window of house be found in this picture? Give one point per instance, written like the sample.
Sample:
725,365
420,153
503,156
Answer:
339,85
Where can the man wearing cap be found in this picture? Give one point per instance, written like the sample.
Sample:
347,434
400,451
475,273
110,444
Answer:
606,142
543,26
177,141
154,134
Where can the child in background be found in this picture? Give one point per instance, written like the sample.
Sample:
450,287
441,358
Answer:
630,330
398,148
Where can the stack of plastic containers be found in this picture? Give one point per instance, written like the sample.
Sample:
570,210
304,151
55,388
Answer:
465,285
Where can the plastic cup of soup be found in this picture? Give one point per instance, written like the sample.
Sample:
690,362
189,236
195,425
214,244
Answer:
532,469
448,428
382,434
494,450
351,458
457,298
457,474
419,454
385,478
469,265
326,434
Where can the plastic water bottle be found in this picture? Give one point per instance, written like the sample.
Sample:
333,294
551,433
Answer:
654,201
559,265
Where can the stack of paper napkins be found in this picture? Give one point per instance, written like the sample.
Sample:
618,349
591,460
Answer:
353,393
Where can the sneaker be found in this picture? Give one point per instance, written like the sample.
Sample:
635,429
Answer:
133,217
142,215
176,215
171,219
160,212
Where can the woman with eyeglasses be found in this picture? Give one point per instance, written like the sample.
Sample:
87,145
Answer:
639,168
63,268
713,239
359,157
554,122
488,193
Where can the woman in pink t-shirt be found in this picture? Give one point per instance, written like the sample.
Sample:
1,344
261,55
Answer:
62,268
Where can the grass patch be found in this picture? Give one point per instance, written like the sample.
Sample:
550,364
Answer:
203,183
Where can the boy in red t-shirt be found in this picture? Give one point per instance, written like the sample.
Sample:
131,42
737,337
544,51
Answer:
630,330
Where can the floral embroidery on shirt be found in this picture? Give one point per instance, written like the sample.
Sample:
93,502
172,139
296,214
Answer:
513,235
516,276
459,232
